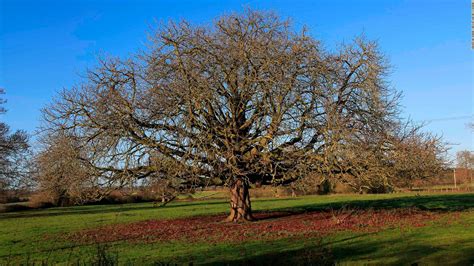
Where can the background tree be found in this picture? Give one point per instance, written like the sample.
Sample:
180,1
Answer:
13,155
465,159
246,100
62,177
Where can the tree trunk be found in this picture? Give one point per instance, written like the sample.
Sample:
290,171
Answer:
240,208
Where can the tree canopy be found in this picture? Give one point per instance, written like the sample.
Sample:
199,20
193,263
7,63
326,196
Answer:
246,100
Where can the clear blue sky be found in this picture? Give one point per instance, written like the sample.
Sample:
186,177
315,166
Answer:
46,44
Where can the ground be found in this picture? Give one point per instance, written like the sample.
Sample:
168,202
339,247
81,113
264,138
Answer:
356,229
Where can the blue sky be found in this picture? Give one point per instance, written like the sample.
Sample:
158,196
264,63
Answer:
45,45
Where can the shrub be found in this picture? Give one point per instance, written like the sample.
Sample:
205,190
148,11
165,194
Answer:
14,207
41,200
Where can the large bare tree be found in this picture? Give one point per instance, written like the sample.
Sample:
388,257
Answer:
246,100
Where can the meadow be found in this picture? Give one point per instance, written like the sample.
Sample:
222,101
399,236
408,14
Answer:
399,228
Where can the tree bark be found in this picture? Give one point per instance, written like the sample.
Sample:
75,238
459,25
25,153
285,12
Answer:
240,207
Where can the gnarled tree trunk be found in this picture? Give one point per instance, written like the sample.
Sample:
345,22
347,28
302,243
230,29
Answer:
240,208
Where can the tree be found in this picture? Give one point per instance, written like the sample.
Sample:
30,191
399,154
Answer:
404,154
62,176
247,100
465,159
13,154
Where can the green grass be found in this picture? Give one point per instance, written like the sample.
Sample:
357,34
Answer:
449,187
29,236
206,194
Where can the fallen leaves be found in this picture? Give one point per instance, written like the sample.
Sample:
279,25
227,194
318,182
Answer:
269,225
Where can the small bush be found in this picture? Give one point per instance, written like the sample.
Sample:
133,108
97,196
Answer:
9,199
342,188
11,196
40,200
14,208
123,197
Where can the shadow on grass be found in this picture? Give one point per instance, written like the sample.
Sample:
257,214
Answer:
112,208
450,202
399,251
454,202
359,249
440,203
315,255
106,208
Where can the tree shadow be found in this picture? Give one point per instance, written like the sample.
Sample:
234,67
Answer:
439,203
454,202
112,208
401,252
356,249
96,209
457,202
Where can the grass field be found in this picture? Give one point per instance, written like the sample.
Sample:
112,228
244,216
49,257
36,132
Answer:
341,229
